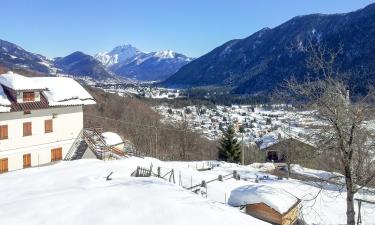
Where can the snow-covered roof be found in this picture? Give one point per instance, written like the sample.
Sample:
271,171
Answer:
58,91
19,82
64,91
278,199
111,138
4,101
268,140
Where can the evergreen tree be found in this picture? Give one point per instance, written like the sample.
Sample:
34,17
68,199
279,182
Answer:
230,148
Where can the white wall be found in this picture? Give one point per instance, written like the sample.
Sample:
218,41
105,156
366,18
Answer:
67,124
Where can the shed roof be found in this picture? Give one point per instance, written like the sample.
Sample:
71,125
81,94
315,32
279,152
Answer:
278,199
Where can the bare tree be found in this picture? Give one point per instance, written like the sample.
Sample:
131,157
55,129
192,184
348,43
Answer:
343,129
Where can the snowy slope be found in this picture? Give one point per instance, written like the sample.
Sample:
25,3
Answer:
76,192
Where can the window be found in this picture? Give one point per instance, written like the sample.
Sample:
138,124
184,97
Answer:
28,96
27,129
26,160
3,165
56,154
3,132
48,126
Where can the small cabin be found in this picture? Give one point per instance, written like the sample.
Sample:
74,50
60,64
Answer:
266,203
274,152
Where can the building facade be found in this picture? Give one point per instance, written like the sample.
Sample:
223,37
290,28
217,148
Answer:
40,118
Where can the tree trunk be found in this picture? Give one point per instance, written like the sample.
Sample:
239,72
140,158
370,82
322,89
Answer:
350,213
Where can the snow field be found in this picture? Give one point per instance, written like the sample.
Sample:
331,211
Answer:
76,192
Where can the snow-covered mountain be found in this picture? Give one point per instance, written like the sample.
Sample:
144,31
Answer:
80,64
14,57
124,62
129,62
120,53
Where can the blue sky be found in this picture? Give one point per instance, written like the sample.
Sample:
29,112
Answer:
193,27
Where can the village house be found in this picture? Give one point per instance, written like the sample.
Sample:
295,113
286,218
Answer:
275,151
40,118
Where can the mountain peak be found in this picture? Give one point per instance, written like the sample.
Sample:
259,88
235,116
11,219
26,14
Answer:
118,54
165,54
124,49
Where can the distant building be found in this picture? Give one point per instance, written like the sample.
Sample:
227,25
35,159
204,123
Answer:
40,118
274,152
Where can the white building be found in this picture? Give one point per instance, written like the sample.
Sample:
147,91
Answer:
40,118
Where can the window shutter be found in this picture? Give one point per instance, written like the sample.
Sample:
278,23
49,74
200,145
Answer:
3,132
48,126
27,129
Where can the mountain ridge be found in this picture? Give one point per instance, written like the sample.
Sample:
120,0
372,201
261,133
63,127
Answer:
259,63
129,62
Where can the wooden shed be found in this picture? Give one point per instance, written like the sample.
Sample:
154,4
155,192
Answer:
266,203
275,152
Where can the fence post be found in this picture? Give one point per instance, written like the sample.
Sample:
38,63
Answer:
137,172
179,178
234,174
172,176
150,169
159,171
220,178
203,184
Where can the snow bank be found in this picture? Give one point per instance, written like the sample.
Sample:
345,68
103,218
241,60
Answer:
263,166
321,174
276,198
19,82
77,192
111,138
64,91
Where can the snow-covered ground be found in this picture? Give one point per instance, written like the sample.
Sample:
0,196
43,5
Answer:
77,192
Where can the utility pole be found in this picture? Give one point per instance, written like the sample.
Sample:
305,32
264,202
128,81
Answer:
242,152
156,142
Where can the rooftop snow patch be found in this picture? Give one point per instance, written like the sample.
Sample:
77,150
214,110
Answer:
278,199
64,91
18,82
111,138
4,101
